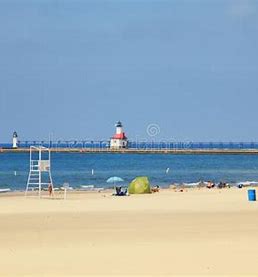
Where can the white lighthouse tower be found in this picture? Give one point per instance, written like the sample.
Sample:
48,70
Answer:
119,140
15,140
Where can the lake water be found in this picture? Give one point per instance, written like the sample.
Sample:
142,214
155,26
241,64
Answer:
76,169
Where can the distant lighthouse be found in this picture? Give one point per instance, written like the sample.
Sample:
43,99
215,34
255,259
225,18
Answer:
119,140
15,140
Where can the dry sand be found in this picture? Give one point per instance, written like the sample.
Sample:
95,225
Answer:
198,232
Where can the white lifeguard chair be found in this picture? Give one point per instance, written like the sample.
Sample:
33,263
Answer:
39,177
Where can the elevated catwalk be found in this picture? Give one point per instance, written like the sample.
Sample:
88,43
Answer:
141,151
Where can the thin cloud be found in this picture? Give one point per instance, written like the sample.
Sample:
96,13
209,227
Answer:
243,8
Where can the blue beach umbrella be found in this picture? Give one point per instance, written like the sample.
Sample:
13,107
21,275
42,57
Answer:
114,180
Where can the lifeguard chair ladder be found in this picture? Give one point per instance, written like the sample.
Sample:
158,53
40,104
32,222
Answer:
40,170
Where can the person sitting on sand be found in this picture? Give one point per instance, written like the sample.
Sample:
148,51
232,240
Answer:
120,192
222,185
155,189
210,185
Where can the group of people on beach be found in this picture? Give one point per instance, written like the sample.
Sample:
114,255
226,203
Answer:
119,191
220,185
123,192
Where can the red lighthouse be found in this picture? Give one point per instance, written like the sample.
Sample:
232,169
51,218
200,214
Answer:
119,140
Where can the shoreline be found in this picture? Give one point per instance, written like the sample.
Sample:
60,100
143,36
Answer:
58,189
96,190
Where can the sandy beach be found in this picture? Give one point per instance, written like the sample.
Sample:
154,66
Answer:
196,232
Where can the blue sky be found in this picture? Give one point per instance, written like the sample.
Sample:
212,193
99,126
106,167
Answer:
73,68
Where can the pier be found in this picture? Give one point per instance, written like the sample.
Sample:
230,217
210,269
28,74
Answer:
140,147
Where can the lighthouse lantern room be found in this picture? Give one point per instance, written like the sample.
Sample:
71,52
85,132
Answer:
119,140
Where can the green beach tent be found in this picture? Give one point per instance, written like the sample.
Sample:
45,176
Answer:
139,185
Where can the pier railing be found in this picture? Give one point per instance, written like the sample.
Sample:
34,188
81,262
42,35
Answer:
136,145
